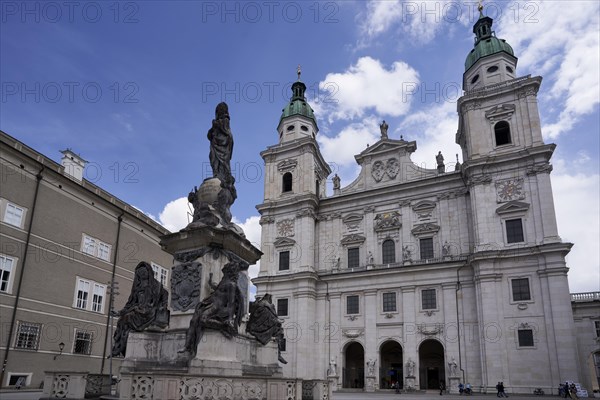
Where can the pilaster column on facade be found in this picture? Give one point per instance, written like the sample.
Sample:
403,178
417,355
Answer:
305,232
371,332
409,340
545,208
450,330
306,357
562,337
491,327
371,242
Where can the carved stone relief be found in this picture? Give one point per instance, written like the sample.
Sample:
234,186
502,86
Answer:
287,165
377,171
387,220
186,280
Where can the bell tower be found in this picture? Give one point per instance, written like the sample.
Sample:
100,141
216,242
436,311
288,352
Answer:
514,234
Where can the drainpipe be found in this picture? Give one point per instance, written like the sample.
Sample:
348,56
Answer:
458,323
23,264
112,282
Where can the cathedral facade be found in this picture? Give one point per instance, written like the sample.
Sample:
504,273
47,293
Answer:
415,276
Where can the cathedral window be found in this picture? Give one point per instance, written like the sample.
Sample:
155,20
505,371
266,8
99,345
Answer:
352,305
287,182
426,248
525,337
502,133
388,250
520,289
353,257
428,299
514,231
389,302
284,260
282,307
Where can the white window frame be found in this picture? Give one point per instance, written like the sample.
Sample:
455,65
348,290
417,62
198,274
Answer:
12,218
161,274
91,341
11,272
91,289
37,335
95,247
27,375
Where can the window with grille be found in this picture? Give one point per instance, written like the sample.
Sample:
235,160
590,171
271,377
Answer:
520,289
6,270
514,231
426,248
160,274
389,302
352,305
353,257
13,215
28,335
83,342
428,300
284,260
388,249
525,337
282,307
597,326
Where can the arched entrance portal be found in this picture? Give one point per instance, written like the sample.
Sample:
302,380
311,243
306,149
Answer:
390,369
354,366
431,364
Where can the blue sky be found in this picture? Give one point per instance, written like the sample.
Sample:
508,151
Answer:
132,87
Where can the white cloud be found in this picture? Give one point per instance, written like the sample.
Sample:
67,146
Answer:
351,140
559,40
419,21
578,216
435,128
368,85
174,215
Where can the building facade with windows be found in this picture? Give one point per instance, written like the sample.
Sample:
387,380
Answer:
586,311
62,240
417,275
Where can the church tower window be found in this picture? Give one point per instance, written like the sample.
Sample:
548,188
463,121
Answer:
514,231
287,182
502,132
284,260
353,257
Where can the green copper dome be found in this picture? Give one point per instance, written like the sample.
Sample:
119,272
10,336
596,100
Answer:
486,42
298,104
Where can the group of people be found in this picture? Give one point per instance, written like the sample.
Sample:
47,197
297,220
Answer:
500,389
466,389
568,390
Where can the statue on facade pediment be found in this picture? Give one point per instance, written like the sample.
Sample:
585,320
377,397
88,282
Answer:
146,306
336,182
384,130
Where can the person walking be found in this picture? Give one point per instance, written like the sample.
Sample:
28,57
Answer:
442,387
461,388
498,389
501,390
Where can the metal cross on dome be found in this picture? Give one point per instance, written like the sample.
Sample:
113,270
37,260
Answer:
299,71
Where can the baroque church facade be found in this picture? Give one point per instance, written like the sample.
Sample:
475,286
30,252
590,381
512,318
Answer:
416,275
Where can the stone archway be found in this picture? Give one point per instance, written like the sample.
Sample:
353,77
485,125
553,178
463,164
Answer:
431,364
354,366
390,366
